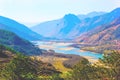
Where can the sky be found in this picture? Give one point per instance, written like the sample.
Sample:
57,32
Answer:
31,12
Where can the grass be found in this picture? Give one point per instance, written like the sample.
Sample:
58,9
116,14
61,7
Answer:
57,62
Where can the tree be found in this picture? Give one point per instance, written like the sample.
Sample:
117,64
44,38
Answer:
20,68
112,64
80,70
108,68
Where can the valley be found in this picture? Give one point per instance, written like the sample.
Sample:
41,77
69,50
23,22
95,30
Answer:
65,48
73,47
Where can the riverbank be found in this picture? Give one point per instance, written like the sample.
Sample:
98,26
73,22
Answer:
66,48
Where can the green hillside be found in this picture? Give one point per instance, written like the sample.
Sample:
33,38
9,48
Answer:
12,40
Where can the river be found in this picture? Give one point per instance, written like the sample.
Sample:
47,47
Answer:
66,49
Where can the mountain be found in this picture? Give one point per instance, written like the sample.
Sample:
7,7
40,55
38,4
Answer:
13,41
111,28
57,29
69,22
105,37
47,28
19,29
104,33
91,14
70,26
52,28
90,23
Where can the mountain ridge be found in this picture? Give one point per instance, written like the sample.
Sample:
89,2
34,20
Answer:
78,29
19,29
91,14
21,45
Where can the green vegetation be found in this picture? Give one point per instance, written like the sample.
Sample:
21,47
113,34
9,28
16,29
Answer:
18,69
108,68
21,67
23,46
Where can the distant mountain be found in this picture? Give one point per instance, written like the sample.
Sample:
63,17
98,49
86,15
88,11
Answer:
105,37
19,29
69,21
104,33
70,26
91,14
57,29
13,41
48,28
52,28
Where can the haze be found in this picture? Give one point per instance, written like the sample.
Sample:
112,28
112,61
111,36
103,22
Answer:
31,12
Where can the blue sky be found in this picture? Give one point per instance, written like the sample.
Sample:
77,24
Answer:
36,11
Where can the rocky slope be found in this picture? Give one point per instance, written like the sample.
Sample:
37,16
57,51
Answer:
106,37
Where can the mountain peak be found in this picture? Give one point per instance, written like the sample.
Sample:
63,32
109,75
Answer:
71,18
70,14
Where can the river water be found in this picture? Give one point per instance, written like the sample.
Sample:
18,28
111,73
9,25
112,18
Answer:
66,49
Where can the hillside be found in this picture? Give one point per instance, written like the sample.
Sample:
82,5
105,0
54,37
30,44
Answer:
6,54
106,37
11,61
19,29
106,32
48,28
12,40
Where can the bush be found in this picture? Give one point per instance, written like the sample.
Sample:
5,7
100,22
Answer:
20,68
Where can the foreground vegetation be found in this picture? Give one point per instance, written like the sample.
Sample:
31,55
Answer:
16,66
21,67
108,68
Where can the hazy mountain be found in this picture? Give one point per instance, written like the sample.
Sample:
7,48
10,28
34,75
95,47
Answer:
57,29
91,14
70,26
51,28
12,40
48,28
102,33
69,21
89,24
19,29
105,37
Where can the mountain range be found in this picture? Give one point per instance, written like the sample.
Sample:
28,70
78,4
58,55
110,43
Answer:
105,37
90,15
52,28
102,33
71,26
